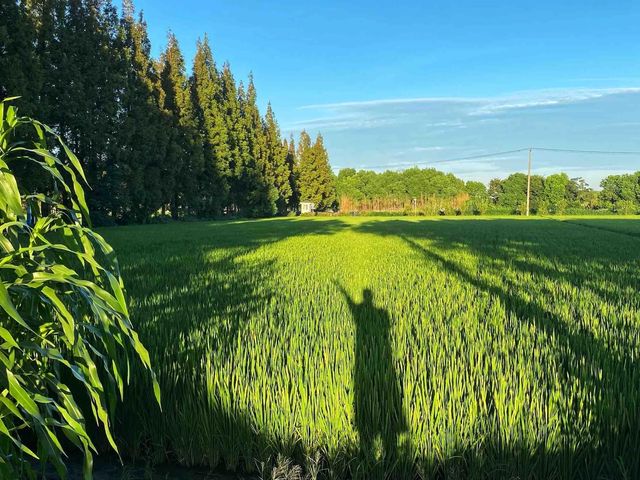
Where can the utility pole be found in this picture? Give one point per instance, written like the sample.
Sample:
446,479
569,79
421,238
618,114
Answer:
529,183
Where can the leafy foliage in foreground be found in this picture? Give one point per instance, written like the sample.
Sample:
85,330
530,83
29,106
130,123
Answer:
451,348
64,323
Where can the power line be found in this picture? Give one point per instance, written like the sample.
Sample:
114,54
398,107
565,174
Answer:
459,159
595,152
505,152
476,157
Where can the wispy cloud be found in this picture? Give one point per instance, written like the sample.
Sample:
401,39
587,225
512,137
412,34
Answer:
398,133
546,98
428,149
387,101
524,99
441,112
340,122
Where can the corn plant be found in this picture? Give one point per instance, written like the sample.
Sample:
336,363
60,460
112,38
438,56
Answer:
64,323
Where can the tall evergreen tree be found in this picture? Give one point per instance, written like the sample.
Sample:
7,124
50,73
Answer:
278,170
304,146
316,181
261,194
294,199
21,75
46,17
19,66
142,135
184,152
76,43
236,140
206,92
149,137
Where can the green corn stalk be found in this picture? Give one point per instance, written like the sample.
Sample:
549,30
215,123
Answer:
64,321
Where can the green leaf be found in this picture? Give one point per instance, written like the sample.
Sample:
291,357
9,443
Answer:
68,324
8,338
9,193
7,306
22,397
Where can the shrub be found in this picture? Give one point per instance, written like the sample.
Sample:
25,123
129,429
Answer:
543,208
626,207
63,318
478,206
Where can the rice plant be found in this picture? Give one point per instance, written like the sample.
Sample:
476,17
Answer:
397,348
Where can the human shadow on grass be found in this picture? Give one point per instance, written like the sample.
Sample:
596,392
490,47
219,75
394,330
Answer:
614,407
191,303
377,394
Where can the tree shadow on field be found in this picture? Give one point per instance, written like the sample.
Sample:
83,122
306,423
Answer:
194,288
377,393
602,359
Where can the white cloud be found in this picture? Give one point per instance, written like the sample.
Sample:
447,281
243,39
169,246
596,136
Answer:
429,132
387,101
339,122
523,99
441,112
545,98
427,149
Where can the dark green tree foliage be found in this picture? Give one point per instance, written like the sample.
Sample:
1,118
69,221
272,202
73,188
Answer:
236,139
87,76
206,91
21,75
261,194
63,57
151,139
185,159
316,181
141,139
19,67
279,166
294,199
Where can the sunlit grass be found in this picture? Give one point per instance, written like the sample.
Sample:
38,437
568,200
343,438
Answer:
513,344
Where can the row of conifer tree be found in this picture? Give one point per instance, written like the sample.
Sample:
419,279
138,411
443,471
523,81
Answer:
154,139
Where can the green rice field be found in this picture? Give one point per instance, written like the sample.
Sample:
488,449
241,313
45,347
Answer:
388,347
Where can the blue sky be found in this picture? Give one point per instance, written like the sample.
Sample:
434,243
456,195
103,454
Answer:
391,84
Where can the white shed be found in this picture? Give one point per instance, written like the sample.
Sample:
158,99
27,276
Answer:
307,207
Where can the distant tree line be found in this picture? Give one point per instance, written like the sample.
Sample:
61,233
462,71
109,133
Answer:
154,140
430,191
558,194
